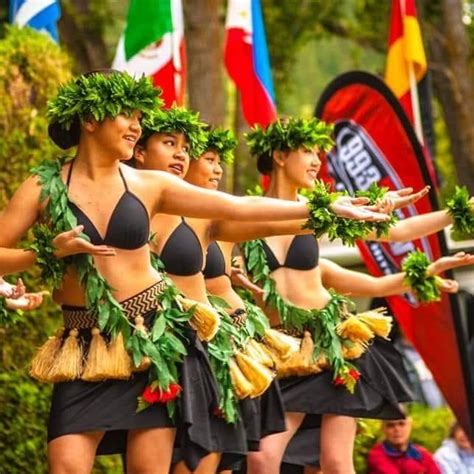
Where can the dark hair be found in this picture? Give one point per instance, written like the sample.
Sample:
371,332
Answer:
67,138
265,164
456,426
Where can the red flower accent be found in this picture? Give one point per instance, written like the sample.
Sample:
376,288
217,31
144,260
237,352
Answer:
355,374
173,392
217,411
151,396
157,395
338,380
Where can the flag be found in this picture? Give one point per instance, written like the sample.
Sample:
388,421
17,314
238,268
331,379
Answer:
406,54
40,15
247,62
376,143
406,74
153,45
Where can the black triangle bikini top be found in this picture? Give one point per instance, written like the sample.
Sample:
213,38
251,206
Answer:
303,254
182,253
129,224
215,262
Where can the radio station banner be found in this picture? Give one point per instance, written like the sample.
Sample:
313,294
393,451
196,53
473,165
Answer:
375,142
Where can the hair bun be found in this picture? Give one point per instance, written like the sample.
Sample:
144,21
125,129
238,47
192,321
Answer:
63,138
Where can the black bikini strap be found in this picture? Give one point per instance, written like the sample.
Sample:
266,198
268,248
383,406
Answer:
123,179
69,173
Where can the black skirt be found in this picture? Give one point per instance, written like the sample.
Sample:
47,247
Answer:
383,385
109,406
263,416
200,430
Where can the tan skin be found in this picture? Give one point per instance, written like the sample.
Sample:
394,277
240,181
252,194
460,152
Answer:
206,172
293,170
169,152
101,148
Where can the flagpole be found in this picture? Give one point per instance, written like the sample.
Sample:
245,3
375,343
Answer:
415,102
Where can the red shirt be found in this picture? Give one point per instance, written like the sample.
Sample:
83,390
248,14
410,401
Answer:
386,460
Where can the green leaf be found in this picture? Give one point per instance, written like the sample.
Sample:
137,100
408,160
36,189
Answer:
158,328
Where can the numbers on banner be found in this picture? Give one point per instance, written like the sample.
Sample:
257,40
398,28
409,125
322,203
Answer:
358,163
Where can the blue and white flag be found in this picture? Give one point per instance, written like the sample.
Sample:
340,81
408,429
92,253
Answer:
41,15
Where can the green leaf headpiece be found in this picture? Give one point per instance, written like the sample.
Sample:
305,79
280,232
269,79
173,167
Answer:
223,142
100,96
289,134
178,120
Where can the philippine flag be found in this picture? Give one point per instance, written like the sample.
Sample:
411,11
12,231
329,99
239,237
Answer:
247,62
41,15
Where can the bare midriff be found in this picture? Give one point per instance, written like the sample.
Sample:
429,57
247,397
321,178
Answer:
128,272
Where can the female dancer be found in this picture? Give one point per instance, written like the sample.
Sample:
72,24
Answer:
300,286
169,139
96,191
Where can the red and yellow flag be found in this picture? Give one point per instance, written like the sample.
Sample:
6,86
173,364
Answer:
406,54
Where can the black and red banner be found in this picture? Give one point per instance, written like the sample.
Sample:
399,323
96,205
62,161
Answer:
375,142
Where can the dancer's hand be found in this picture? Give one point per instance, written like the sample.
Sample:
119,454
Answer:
402,198
70,243
447,285
357,209
461,259
12,291
26,302
239,278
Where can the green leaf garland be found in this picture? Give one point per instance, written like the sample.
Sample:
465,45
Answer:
290,134
321,323
424,287
461,211
100,96
223,142
164,346
177,120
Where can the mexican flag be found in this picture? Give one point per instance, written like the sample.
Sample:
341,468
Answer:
153,45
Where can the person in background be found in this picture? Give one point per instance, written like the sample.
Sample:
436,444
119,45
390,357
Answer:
397,455
456,454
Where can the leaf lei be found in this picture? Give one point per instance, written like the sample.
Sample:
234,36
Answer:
375,194
223,142
177,120
290,134
424,287
321,323
220,349
163,344
52,268
323,221
461,211
100,96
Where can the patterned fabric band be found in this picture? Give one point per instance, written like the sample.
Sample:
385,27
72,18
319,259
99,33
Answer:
138,305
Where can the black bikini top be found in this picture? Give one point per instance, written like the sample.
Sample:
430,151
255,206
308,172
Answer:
182,252
215,262
129,224
303,254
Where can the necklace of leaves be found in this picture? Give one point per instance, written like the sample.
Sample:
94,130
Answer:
163,343
320,323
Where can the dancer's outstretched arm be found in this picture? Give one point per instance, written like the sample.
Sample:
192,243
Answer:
354,283
175,196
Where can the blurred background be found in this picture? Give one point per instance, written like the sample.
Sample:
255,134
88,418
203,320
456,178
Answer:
309,42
